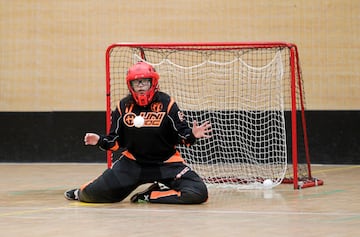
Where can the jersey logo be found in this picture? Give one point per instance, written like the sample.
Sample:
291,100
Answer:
181,116
157,106
151,119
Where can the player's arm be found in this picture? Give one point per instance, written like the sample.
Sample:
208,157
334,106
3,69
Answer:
188,135
106,142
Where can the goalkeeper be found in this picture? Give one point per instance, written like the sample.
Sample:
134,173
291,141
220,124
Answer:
149,154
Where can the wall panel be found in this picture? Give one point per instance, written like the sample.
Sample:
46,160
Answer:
53,51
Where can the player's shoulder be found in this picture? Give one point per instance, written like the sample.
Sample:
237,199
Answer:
126,98
124,103
167,101
162,96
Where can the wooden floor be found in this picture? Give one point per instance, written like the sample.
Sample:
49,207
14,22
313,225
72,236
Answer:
32,204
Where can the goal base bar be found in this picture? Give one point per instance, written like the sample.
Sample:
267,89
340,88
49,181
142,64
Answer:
305,183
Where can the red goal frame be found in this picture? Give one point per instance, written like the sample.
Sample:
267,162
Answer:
296,79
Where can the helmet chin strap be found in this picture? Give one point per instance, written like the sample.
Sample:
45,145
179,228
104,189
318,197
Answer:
142,99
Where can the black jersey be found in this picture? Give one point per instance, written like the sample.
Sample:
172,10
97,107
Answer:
164,127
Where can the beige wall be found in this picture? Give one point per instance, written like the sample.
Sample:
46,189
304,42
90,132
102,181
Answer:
53,52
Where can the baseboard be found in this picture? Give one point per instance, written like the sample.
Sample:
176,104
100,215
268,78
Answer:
58,136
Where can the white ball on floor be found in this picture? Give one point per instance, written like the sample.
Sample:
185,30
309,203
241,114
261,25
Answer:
138,121
268,183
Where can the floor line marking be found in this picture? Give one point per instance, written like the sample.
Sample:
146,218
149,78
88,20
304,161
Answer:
202,211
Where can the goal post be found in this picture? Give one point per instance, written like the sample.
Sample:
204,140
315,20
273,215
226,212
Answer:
253,95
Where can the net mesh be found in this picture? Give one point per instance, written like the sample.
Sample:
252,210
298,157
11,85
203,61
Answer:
243,91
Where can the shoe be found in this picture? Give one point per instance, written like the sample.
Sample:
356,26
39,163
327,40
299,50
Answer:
144,196
72,194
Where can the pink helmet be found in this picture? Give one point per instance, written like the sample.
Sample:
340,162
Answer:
138,71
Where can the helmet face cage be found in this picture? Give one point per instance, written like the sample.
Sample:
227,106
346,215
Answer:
138,71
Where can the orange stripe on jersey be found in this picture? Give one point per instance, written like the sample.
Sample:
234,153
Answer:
160,194
175,158
119,108
128,109
172,101
128,155
115,147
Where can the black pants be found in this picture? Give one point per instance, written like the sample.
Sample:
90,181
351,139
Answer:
116,183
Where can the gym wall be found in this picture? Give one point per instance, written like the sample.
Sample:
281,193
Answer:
52,77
